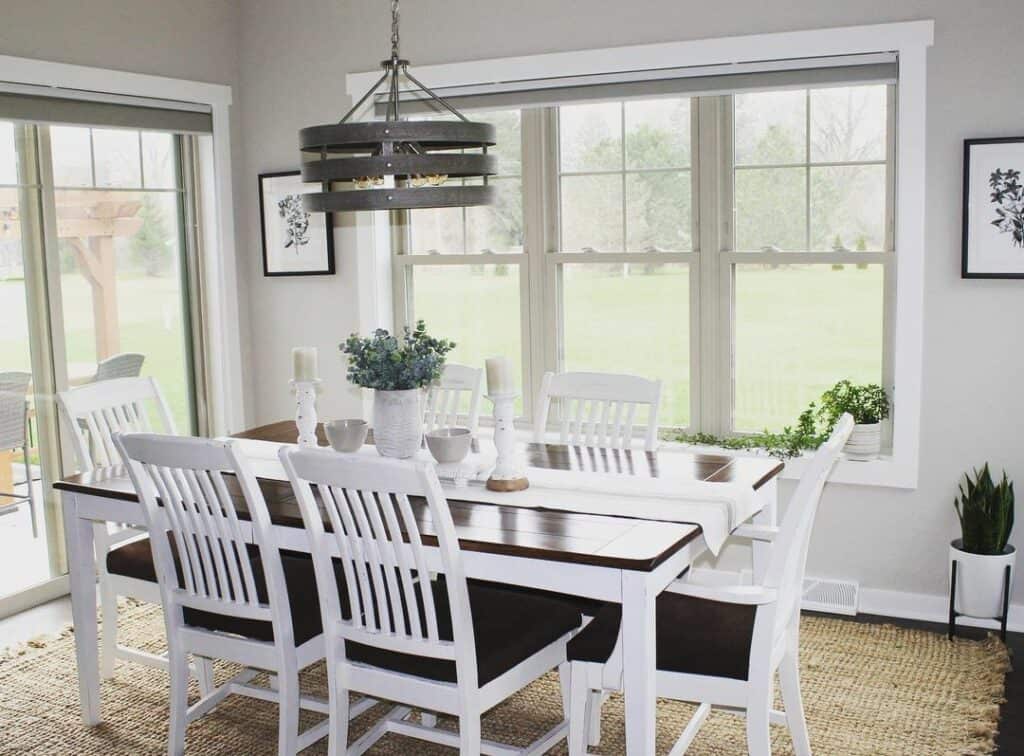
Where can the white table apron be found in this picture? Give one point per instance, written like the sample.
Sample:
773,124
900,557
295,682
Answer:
636,590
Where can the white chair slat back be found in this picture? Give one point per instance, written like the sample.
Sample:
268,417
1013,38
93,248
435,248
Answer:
454,399
386,573
184,491
96,411
598,409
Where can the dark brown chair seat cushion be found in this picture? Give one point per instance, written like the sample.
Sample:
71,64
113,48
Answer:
508,626
695,636
135,559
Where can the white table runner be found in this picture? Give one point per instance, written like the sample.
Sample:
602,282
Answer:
716,507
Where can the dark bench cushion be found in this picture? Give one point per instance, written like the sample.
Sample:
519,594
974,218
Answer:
695,636
508,626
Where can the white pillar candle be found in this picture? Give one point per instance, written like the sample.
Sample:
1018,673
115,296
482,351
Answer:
500,378
304,364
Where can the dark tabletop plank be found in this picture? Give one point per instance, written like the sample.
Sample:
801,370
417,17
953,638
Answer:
619,542
637,463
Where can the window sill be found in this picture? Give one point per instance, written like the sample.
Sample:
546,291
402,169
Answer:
888,471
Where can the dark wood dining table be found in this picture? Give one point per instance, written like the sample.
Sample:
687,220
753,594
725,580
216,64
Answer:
619,559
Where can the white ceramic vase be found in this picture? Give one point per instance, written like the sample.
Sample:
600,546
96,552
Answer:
865,441
397,422
979,580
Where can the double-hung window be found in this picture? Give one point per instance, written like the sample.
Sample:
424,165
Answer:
736,243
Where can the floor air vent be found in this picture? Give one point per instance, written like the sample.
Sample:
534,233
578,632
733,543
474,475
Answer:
830,596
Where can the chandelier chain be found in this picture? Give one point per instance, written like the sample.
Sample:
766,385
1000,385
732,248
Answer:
394,29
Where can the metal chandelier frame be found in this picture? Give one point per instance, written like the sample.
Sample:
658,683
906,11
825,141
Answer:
418,155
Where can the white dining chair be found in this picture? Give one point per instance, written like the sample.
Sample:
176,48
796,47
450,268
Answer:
454,399
393,633
598,409
14,386
124,560
721,646
224,595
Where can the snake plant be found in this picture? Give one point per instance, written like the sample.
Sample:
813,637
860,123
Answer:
985,510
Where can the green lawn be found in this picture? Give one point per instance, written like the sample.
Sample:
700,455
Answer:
799,329
149,309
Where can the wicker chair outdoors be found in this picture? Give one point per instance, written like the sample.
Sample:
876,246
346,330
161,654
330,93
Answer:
14,433
124,365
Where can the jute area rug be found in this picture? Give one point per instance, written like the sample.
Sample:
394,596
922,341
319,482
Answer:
868,689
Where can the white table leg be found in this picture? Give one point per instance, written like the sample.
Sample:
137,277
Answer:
769,515
639,662
82,576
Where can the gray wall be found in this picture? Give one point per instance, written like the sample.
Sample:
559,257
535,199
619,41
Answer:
294,57
184,39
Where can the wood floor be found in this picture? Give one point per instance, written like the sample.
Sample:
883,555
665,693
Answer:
50,618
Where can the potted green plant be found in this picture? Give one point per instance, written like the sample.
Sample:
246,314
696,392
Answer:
869,406
397,369
982,553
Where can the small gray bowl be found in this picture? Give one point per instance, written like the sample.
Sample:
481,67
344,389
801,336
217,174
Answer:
346,435
449,445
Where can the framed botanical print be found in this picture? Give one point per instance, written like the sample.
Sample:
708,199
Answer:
295,243
993,223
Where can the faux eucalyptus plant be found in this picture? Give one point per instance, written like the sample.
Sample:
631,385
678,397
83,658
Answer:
985,510
391,363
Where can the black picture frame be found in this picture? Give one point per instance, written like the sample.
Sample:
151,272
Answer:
968,264
272,270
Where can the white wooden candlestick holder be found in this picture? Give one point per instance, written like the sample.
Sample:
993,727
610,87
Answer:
305,410
508,472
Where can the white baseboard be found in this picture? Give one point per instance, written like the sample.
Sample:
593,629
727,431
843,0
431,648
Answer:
925,607
928,608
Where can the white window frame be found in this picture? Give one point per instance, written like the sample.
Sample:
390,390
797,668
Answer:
87,82
909,40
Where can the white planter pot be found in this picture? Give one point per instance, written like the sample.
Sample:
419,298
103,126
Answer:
865,441
397,422
979,580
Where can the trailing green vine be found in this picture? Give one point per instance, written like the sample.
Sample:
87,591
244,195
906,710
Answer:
867,404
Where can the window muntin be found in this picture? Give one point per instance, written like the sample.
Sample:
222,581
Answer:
624,176
619,216
479,230
809,169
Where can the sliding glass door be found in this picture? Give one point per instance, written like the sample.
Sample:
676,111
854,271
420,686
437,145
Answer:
94,258
118,198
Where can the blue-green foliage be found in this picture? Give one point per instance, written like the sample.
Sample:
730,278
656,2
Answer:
390,363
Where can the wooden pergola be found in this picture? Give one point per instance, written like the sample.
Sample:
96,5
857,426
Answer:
89,221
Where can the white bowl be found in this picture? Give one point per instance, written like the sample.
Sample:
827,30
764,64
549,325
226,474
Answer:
346,435
449,445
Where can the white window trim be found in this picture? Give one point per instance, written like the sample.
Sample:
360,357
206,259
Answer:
910,40
225,357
